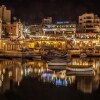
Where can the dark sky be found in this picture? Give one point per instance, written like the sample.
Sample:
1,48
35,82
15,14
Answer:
32,11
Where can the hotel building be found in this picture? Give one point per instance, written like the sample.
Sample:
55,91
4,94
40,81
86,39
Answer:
5,14
87,34
87,25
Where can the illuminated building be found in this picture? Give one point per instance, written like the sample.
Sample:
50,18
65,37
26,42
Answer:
87,33
35,29
60,29
5,14
87,26
88,21
13,30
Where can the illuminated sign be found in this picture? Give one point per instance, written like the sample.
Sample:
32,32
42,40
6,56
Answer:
65,22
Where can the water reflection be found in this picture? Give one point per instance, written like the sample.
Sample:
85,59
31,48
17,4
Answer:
15,70
88,84
12,71
58,78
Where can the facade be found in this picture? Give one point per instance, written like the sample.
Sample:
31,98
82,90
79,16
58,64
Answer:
60,29
13,30
35,29
5,14
88,29
39,44
88,24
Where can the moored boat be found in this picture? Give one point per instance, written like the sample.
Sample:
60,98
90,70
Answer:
51,55
81,73
79,68
57,64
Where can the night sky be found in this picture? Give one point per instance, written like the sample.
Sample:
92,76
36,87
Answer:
32,11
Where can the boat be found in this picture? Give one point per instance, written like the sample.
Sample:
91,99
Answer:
37,56
57,63
79,68
51,55
80,73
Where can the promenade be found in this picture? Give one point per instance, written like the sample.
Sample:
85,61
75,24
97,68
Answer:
17,54
31,54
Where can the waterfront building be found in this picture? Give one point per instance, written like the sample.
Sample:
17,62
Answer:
60,29
5,14
87,31
14,30
88,24
63,31
8,45
36,30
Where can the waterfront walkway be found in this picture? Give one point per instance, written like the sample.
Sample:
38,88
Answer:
19,54
33,54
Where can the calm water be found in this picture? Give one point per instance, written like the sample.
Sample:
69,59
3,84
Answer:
23,79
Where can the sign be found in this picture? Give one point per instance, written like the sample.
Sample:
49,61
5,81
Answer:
65,22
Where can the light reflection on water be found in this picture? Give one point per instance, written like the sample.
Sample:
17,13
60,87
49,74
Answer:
14,70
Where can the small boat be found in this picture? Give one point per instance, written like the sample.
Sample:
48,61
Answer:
79,68
57,64
80,73
51,55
